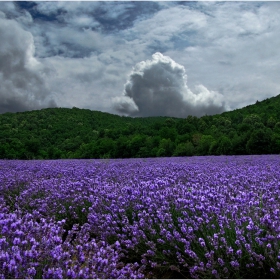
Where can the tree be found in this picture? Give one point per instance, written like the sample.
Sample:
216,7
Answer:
239,144
106,148
277,127
253,120
202,125
213,148
54,152
204,144
166,132
121,148
80,133
184,149
224,146
271,122
259,142
169,122
3,151
184,127
196,139
32,146
275,143
135,144
244,127
166,148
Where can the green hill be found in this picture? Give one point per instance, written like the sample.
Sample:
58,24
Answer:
80,133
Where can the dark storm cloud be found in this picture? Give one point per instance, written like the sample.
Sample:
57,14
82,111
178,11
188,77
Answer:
158,87
22,85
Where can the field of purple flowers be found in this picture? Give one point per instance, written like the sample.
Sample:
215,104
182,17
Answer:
198,217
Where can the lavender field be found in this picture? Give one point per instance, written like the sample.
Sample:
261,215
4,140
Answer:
197,217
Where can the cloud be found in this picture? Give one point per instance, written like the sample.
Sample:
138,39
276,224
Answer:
125,105
158,87
88,82
236,47
79,54
73,43
22,85
105,16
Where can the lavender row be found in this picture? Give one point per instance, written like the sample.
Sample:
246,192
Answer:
199,217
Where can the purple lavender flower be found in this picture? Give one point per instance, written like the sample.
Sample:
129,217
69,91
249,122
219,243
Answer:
215,273
126,205
239,253
221,262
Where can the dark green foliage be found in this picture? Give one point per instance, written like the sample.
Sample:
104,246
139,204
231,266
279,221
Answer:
58,133
204,145
224,146
259,142
184,149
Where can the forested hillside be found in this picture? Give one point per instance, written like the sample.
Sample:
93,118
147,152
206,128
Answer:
79,133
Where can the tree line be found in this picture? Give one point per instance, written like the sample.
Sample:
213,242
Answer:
62,133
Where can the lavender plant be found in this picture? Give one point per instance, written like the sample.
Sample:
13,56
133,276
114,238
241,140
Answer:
199,217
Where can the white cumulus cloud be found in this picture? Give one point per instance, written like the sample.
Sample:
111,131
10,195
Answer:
158,87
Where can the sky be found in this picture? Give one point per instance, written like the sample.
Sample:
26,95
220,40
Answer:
138,58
